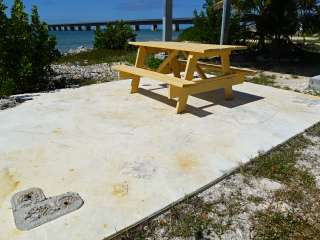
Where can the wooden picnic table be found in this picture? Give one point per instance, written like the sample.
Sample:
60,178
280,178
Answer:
182,88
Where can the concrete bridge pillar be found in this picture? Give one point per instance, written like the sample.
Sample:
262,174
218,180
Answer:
59,28
176,28
54,28
71,28
88,28
154,27
49,28
65,28
97,27
79,28
136,28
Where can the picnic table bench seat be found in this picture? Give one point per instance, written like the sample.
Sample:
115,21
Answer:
244,71
126,71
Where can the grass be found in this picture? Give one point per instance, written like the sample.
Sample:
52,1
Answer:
193,217
262,79
306,41
98,57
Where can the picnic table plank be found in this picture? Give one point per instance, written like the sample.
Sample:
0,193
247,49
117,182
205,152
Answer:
191,47
153,75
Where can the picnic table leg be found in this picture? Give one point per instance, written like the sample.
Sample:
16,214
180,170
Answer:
225,62
198,69
175,67
188,75
182,103
139,64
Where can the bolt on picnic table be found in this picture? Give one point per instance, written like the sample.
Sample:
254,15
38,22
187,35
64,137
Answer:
182,88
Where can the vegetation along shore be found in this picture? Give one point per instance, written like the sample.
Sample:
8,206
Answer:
275,196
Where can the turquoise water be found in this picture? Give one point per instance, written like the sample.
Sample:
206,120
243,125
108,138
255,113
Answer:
67,40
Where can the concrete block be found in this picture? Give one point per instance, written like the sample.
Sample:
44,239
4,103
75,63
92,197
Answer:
314,83
31,208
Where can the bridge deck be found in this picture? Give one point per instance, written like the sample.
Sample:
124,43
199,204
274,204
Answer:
130,22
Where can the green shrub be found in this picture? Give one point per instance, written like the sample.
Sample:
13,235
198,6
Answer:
114,37
207,26
27,51
190,34
154,63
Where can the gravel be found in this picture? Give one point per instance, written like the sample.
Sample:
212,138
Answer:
97,72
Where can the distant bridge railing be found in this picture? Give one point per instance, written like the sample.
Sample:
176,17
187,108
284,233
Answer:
135,23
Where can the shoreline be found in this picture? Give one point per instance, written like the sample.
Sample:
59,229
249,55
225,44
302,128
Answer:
78,50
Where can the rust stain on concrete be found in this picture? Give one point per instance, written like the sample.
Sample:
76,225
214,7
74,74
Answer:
311,96
57,131
120,189
7,184
186,162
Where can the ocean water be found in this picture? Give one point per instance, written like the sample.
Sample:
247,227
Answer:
67,40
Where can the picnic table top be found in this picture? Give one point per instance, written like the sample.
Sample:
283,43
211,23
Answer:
191,47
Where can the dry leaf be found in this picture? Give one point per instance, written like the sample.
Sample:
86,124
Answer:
163,223
203,216
272,169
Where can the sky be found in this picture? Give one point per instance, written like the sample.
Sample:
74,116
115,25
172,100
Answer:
77,11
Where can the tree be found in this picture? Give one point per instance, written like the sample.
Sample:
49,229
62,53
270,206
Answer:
279,19
3,31
114,37
273,19
207,25
27,51
309,21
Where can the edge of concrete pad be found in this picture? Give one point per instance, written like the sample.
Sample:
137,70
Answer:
207,186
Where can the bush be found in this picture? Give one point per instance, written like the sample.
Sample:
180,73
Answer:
114,37
27,51
207,26
190,34
154,62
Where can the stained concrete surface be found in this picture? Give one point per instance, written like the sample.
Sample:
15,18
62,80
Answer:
130,155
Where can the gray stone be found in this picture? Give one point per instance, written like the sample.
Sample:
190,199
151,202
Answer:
318,182
268,184
31,208
163,55
314,83
79,50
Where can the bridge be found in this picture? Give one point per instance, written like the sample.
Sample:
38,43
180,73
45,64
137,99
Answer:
135,23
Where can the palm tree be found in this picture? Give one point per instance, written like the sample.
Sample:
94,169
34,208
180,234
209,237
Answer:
274,19
308,20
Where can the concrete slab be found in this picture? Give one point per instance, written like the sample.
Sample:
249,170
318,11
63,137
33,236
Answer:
314,83
129,155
